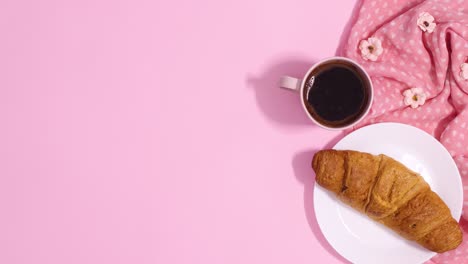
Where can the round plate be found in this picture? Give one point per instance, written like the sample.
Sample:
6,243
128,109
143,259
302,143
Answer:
361,240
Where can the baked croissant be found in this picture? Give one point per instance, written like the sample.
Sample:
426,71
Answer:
391,194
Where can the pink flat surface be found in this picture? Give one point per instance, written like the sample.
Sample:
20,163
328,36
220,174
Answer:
153,131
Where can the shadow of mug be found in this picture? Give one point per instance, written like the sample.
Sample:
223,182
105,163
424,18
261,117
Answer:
277,104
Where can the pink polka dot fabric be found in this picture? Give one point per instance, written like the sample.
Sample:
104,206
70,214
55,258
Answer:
413,58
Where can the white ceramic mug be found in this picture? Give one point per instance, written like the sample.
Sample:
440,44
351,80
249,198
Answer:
299,85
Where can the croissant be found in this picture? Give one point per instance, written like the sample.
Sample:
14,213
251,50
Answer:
388,192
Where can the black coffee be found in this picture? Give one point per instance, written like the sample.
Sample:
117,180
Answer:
338,95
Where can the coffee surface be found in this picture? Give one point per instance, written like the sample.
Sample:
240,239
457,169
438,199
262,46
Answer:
337,95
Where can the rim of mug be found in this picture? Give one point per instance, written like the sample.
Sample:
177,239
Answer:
371,95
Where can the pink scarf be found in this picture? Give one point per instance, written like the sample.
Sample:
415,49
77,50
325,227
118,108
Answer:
405,44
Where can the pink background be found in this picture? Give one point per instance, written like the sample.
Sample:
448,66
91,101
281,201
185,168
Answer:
153,132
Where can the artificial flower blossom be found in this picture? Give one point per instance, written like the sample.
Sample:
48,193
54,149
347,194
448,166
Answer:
464,71
414,97
371,48
426,22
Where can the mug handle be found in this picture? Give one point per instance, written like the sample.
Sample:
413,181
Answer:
290,83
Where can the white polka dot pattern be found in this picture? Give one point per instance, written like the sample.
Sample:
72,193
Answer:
432,61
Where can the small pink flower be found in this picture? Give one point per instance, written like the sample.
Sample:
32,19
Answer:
426,22
414,97
464,71
371,48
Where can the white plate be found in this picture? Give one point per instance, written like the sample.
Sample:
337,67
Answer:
358,238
